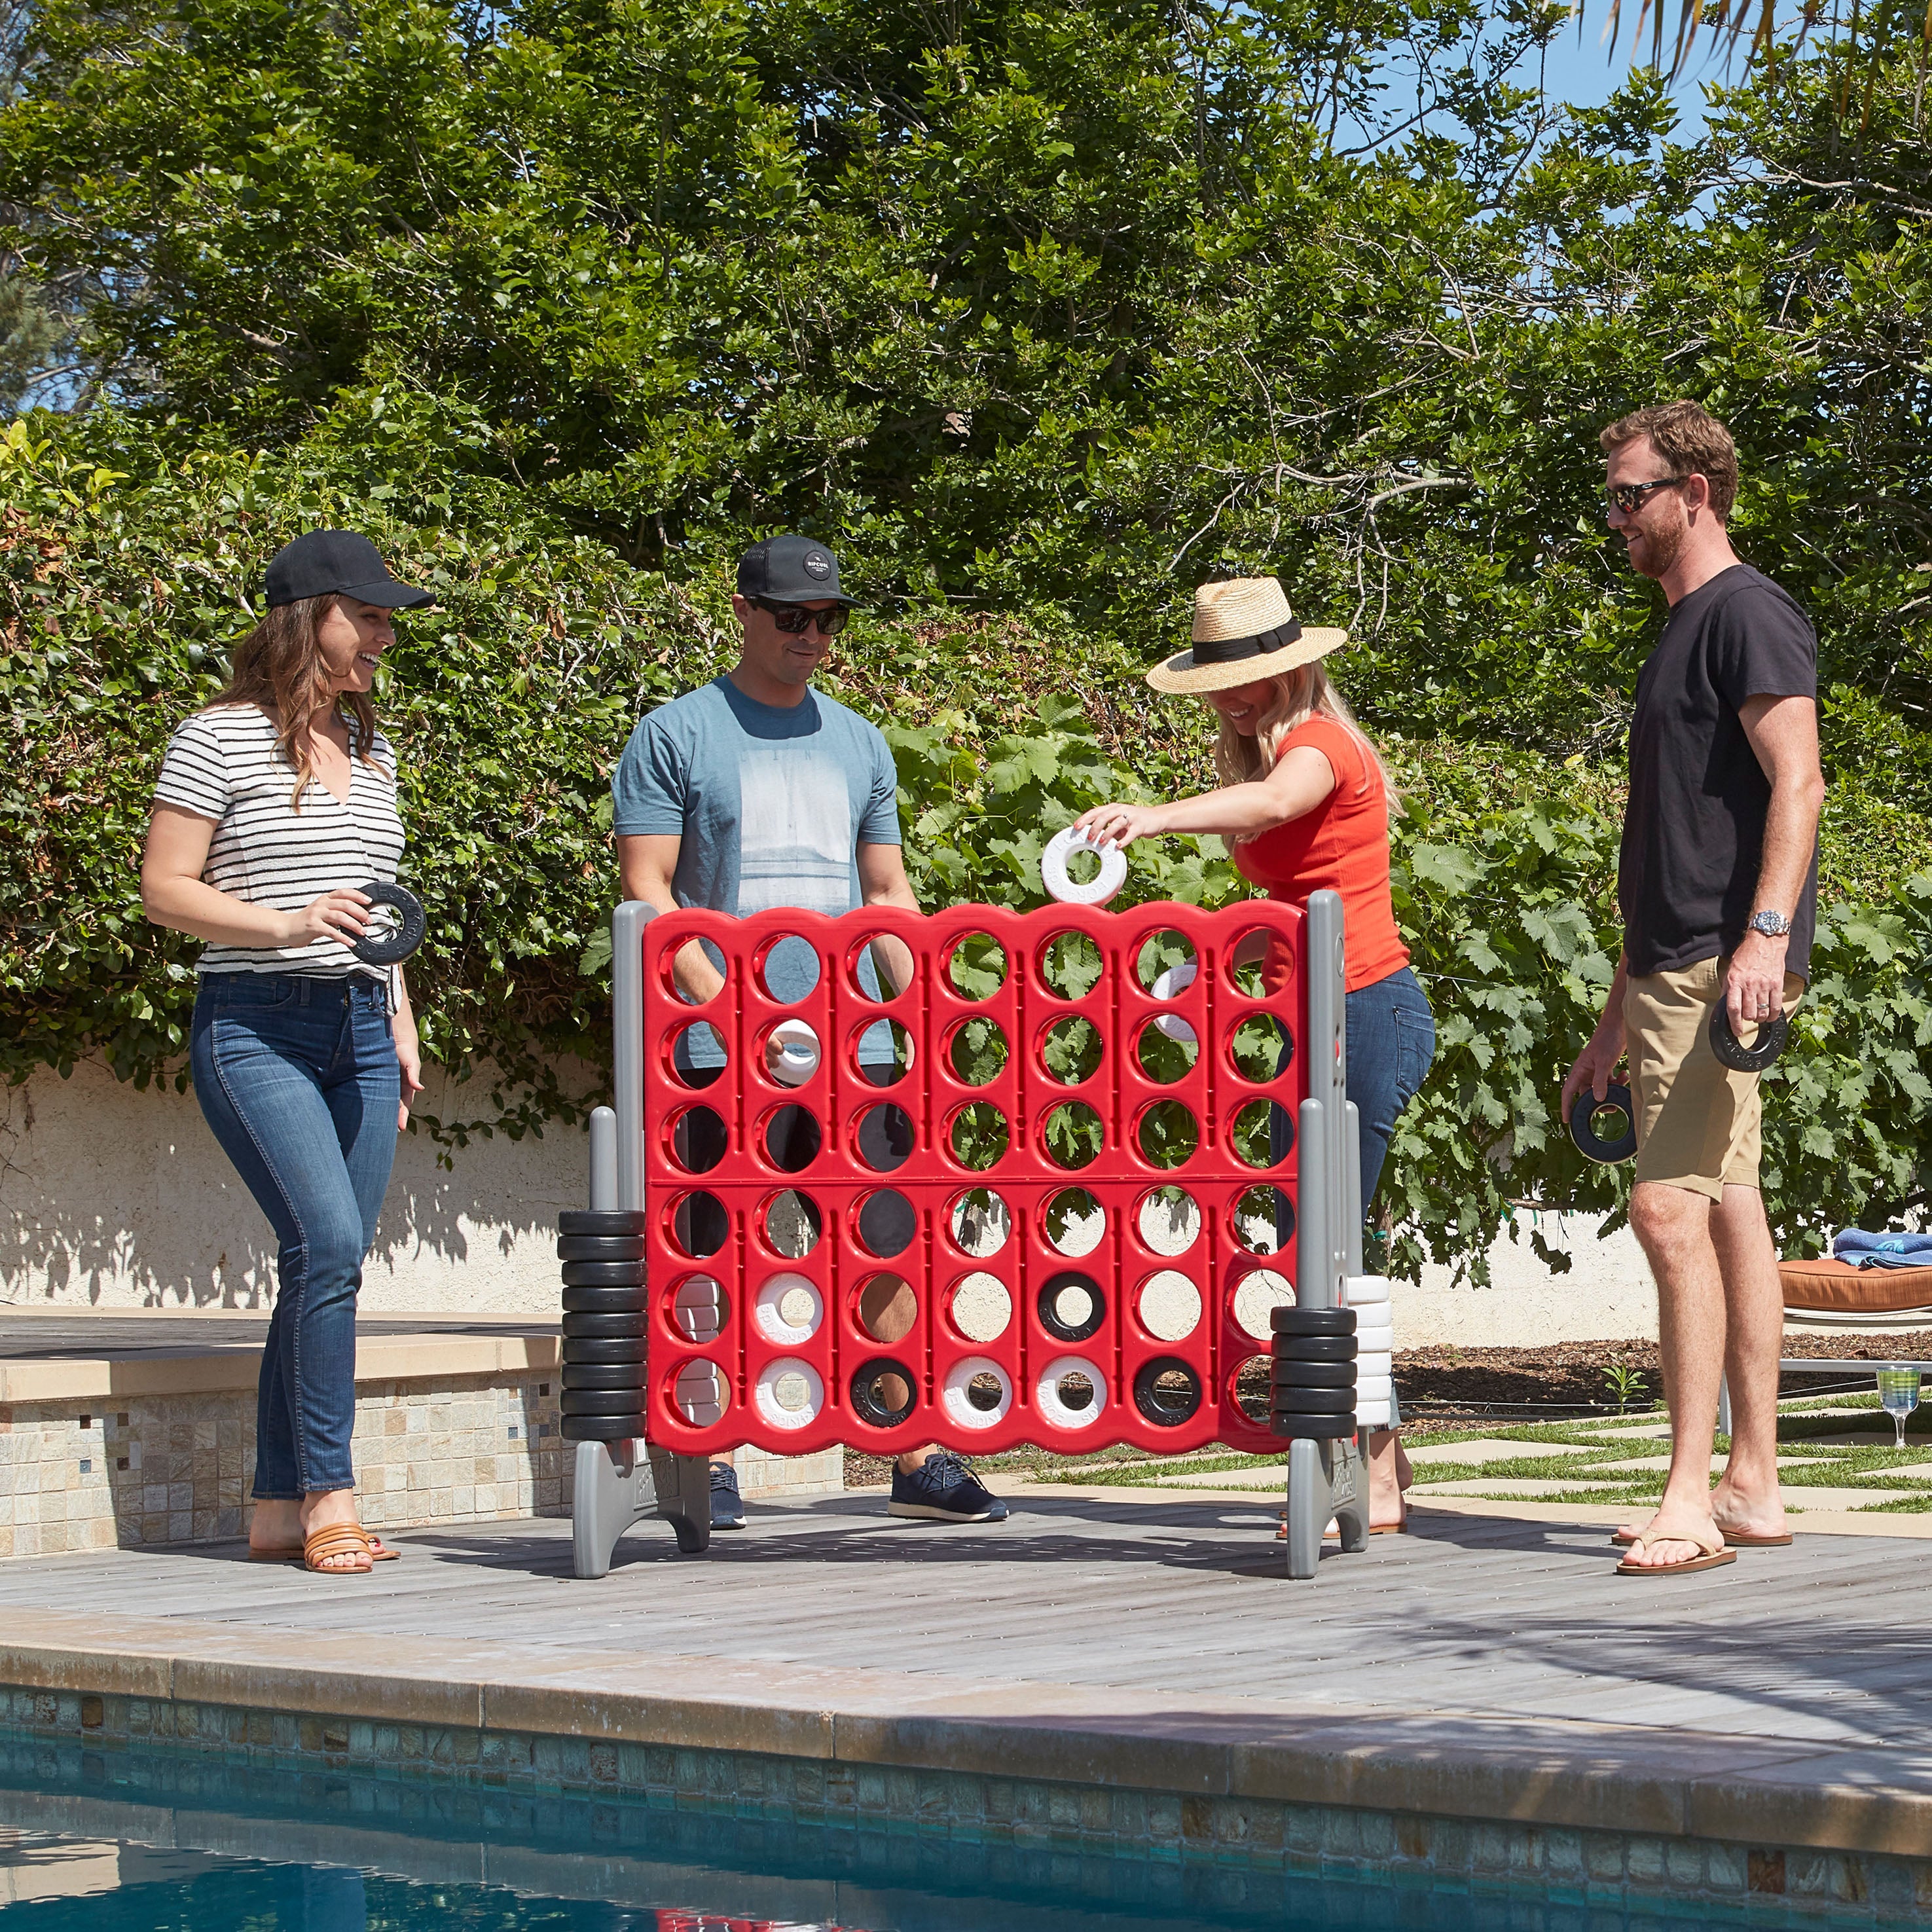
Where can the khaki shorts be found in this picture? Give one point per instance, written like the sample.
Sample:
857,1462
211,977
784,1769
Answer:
1698,1125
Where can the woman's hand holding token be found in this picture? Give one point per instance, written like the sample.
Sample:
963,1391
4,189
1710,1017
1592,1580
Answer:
1120,825
342,916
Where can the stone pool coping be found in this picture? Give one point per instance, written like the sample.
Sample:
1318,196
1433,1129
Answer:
1639,1781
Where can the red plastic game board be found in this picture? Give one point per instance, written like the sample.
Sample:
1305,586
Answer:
762,1339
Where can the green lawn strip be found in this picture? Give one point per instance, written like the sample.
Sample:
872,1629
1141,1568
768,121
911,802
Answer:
1905,1506
1583,1429
1125,1473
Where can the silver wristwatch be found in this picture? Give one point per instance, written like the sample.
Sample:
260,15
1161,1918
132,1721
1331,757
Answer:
1772,924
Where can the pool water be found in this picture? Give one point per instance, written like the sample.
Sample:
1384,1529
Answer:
113,1841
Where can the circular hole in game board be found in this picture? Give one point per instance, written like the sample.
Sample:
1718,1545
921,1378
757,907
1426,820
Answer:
1260,1047
882,1392
879,966
1069,965
977,1051
887,1308
882,1050
1257,1295
788,968
985,1391
1169,1305
1257,960
1168,1219
887,1223
979,1135
700,1225
1262,1134
1168,1134
981,1306
698,1307
976,966
793,1224
1074,1222
1073,1135
1071,1306
694,959
1166,964
697,1055
699,1394
698,1140
1264,1221
1071,1050
1167,1048
980,1222
885,1138
793,1138
1250,1387
792,1053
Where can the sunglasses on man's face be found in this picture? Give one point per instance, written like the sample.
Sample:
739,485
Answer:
1629,496
794,620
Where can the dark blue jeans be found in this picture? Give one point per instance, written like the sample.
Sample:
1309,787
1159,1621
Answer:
298,1078
1391,1041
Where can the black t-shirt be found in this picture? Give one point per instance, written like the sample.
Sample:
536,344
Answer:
1693,836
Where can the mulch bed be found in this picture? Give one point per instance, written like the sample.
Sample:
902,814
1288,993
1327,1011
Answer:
1474,1387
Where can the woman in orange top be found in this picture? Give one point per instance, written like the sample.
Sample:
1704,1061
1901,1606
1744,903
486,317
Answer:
1304,803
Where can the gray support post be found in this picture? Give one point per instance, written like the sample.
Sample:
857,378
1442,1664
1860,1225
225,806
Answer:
1724,1405
616,1483
1325,1480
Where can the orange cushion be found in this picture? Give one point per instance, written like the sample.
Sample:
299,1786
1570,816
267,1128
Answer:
1838,1286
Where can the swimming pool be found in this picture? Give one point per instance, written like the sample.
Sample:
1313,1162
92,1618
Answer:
142,1840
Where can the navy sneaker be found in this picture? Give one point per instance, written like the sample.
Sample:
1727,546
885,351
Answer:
944,1489
727,1507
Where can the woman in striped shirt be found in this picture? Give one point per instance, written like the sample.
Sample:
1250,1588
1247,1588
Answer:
275,803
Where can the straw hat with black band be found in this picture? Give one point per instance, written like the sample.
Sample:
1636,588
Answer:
1243,631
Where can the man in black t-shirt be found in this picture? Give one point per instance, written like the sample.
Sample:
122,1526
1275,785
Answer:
1718,884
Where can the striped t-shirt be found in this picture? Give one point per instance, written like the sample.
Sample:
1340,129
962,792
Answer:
225,765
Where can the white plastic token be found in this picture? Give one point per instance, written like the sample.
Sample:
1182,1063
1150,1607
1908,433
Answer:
1367,1291
1111,877
1372,1388
788,1392
788,1310
1372,1415
1168,986
959,1402
1369,1366
791,1053
1376,1338
1053,1407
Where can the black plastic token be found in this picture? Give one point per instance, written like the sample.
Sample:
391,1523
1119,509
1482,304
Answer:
1167,1391
869,1402
601,1401
603,1274
1321,1428
580,1351
1314,1348
602,1376
603,1301
584,1324
1740,1058
390,949
1291,1374
1589,1143
602,1428
600,1221
1298,1321
600,1247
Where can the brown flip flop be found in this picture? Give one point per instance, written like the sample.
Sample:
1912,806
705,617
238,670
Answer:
1713,1556
1742,1539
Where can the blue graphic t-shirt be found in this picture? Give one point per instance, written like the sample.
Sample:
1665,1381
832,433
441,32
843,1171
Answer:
772,805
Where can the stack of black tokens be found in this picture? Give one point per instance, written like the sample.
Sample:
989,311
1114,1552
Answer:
602,1250
1313,1373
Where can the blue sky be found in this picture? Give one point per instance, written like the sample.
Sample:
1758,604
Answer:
1583,72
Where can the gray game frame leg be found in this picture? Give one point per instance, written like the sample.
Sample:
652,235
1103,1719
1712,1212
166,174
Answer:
616,1484
1326,1481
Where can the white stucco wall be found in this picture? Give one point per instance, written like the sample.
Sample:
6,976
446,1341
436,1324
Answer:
113,1198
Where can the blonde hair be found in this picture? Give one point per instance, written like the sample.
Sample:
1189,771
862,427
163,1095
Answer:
1300,694
278,667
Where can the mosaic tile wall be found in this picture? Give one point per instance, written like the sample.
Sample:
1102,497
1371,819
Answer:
177,1467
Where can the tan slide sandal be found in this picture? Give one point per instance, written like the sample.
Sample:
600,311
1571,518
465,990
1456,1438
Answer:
339,1539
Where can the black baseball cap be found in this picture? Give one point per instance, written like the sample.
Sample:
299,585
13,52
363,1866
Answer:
339,561
791,570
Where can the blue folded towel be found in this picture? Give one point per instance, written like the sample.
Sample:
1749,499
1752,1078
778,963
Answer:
1866,1250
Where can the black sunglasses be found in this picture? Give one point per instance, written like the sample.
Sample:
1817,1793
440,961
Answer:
1628,497
794,620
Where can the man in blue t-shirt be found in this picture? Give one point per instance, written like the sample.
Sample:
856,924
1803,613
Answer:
756,791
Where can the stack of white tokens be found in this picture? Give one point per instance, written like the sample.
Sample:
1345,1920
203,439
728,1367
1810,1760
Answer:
1375,1348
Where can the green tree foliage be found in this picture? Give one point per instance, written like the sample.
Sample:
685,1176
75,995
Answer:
1045,315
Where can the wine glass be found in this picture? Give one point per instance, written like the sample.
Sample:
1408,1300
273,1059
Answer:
1898,1393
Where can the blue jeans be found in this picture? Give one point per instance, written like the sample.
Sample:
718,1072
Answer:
298,1078
1391,1041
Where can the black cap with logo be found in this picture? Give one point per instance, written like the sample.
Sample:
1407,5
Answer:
339,561
791,570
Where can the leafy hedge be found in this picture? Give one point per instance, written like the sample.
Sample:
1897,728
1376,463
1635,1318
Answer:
510,701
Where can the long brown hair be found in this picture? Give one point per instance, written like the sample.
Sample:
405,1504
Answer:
278,666
1302,693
